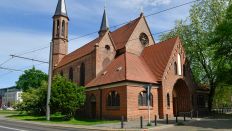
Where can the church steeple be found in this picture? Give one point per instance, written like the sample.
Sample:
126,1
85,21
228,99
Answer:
61,9
60,32
104,24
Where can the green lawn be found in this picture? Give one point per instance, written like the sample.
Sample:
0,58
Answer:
8,112
59,120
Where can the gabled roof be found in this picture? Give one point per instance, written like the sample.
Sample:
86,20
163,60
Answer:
122,34
84,50
61,9
119,37
158,55
126,67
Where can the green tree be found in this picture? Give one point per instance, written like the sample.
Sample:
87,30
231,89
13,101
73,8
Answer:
223,43
34,100
31,78
66,97
223,96
223,37
196,32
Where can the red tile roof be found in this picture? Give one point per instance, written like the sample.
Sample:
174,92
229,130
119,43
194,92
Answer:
126,67
119,36
158,55
84,50
122,34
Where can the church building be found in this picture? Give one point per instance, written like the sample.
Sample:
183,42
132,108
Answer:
116,67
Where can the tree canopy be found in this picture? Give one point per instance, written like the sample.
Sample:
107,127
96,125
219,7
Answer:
31,78
66,96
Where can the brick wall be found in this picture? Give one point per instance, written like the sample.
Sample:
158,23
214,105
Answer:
90,71
104,56
134,45
134,111
170,78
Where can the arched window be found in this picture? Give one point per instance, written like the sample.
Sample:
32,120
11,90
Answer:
53,29
168,100
71,74
66,29
175,68
142,99
57,27
63,28
61,73
113,99
82,74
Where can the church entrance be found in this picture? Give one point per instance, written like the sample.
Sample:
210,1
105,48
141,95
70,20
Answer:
93,106
181,98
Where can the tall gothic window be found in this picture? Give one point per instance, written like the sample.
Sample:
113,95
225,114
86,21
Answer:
179,71
66,29
142,99
71,74
63,28
82,74
175,68
53,29
184,70
168,100
113,99
57,27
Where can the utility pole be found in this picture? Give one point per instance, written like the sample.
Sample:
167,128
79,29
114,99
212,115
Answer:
49,82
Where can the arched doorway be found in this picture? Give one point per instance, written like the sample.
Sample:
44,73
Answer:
181,97
93,106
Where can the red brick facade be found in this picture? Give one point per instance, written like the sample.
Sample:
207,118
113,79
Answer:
117,66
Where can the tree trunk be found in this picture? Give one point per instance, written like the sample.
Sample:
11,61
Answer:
211,96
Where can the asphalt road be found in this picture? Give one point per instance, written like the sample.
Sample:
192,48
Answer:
18,126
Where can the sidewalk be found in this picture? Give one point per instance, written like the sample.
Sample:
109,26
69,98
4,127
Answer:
130,126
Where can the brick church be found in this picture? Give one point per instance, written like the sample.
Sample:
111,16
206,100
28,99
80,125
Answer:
117,65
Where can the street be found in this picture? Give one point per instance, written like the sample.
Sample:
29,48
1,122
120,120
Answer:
204,124
6,125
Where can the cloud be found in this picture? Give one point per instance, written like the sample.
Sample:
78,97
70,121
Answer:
141,3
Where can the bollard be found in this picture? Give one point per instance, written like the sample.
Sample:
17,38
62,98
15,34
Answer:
197,114
166,118
122,120
155,120
176,118
184,117
141,122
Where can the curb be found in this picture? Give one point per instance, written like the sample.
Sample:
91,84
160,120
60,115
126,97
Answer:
95,128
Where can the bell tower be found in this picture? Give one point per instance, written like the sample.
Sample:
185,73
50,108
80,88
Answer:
60,33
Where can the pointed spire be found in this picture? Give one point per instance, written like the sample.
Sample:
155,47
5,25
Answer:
61,8
104,24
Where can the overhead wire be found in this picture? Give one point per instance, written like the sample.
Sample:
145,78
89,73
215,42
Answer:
88,34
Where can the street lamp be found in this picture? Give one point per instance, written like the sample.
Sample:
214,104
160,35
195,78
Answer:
148,89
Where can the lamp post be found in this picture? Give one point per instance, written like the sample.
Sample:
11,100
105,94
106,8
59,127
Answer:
148,89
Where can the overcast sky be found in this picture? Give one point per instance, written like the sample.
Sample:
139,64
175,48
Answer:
27,24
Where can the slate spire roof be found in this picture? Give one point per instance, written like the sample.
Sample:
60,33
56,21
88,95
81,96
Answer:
105,23
61,9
